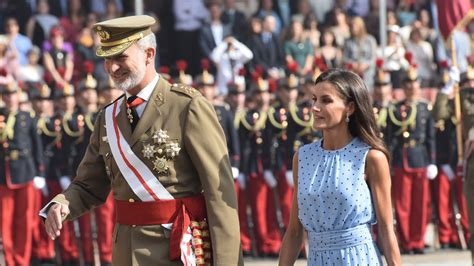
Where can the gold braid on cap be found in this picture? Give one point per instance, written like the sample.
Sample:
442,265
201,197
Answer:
130,38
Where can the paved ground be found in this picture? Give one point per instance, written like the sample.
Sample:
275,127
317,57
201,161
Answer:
431,258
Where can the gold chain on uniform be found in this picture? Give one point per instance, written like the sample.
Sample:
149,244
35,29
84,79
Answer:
238,117
410,121
88,120
8,131
67,129
44,129
293,109
275,123
259,124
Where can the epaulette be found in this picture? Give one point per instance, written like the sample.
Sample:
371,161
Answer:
186,90
105,107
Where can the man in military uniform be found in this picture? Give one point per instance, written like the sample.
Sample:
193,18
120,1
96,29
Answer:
236,100
161,150
69,124
276,131
87,100
20,163
300,122
43,247
382,97
410,134
445,109
255,165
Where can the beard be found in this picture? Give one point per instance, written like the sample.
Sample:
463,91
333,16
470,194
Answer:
134,78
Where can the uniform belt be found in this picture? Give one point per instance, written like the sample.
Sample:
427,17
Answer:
338,239
182,212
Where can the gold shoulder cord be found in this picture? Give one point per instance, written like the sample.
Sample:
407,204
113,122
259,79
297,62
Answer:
8,131
88,120
238,117
67,129
271,117
259,124
410,121
43,128
294,115
382,117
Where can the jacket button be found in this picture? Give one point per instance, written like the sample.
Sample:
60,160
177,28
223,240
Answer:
133,225
131,200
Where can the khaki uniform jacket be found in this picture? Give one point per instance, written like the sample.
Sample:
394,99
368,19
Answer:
202,165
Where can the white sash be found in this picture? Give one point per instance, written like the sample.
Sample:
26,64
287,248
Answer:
140,179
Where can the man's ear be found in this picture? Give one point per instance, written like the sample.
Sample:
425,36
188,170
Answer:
150,55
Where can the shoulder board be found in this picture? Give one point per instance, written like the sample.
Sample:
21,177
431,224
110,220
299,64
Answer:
186,90
105,107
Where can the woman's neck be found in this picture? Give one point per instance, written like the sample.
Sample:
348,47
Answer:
336,139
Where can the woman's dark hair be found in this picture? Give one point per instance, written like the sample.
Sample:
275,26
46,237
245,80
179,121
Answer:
362,122
322,42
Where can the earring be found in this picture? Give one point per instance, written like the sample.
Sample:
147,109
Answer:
347,119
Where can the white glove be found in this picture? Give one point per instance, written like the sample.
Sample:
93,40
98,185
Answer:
64,181
242,180
431,171
454,77
269,178
39,182
454,74
289,178
235,172
448,170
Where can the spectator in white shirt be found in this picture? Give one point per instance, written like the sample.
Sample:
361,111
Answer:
229,57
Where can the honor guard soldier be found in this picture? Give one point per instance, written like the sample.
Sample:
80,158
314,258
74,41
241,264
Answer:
161,150
70,127
410,134
49,130
300,122
280,145
445,109
256,166
447,161
87,100
21,161
382,97
236,100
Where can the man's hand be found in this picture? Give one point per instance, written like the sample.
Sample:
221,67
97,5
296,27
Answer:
54,221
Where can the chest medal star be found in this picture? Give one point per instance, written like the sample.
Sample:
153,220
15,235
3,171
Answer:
148,151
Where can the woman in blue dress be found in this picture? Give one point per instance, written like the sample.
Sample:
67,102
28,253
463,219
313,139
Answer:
342,181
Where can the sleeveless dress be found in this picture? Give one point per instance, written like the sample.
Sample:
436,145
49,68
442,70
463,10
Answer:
335,205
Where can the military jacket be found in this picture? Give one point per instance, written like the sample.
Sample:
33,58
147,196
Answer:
49,128
445,123
226,119
21,150
201,165
276,131
300,126
411,135
255,157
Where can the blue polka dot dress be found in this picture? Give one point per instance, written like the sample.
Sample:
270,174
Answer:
335,205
